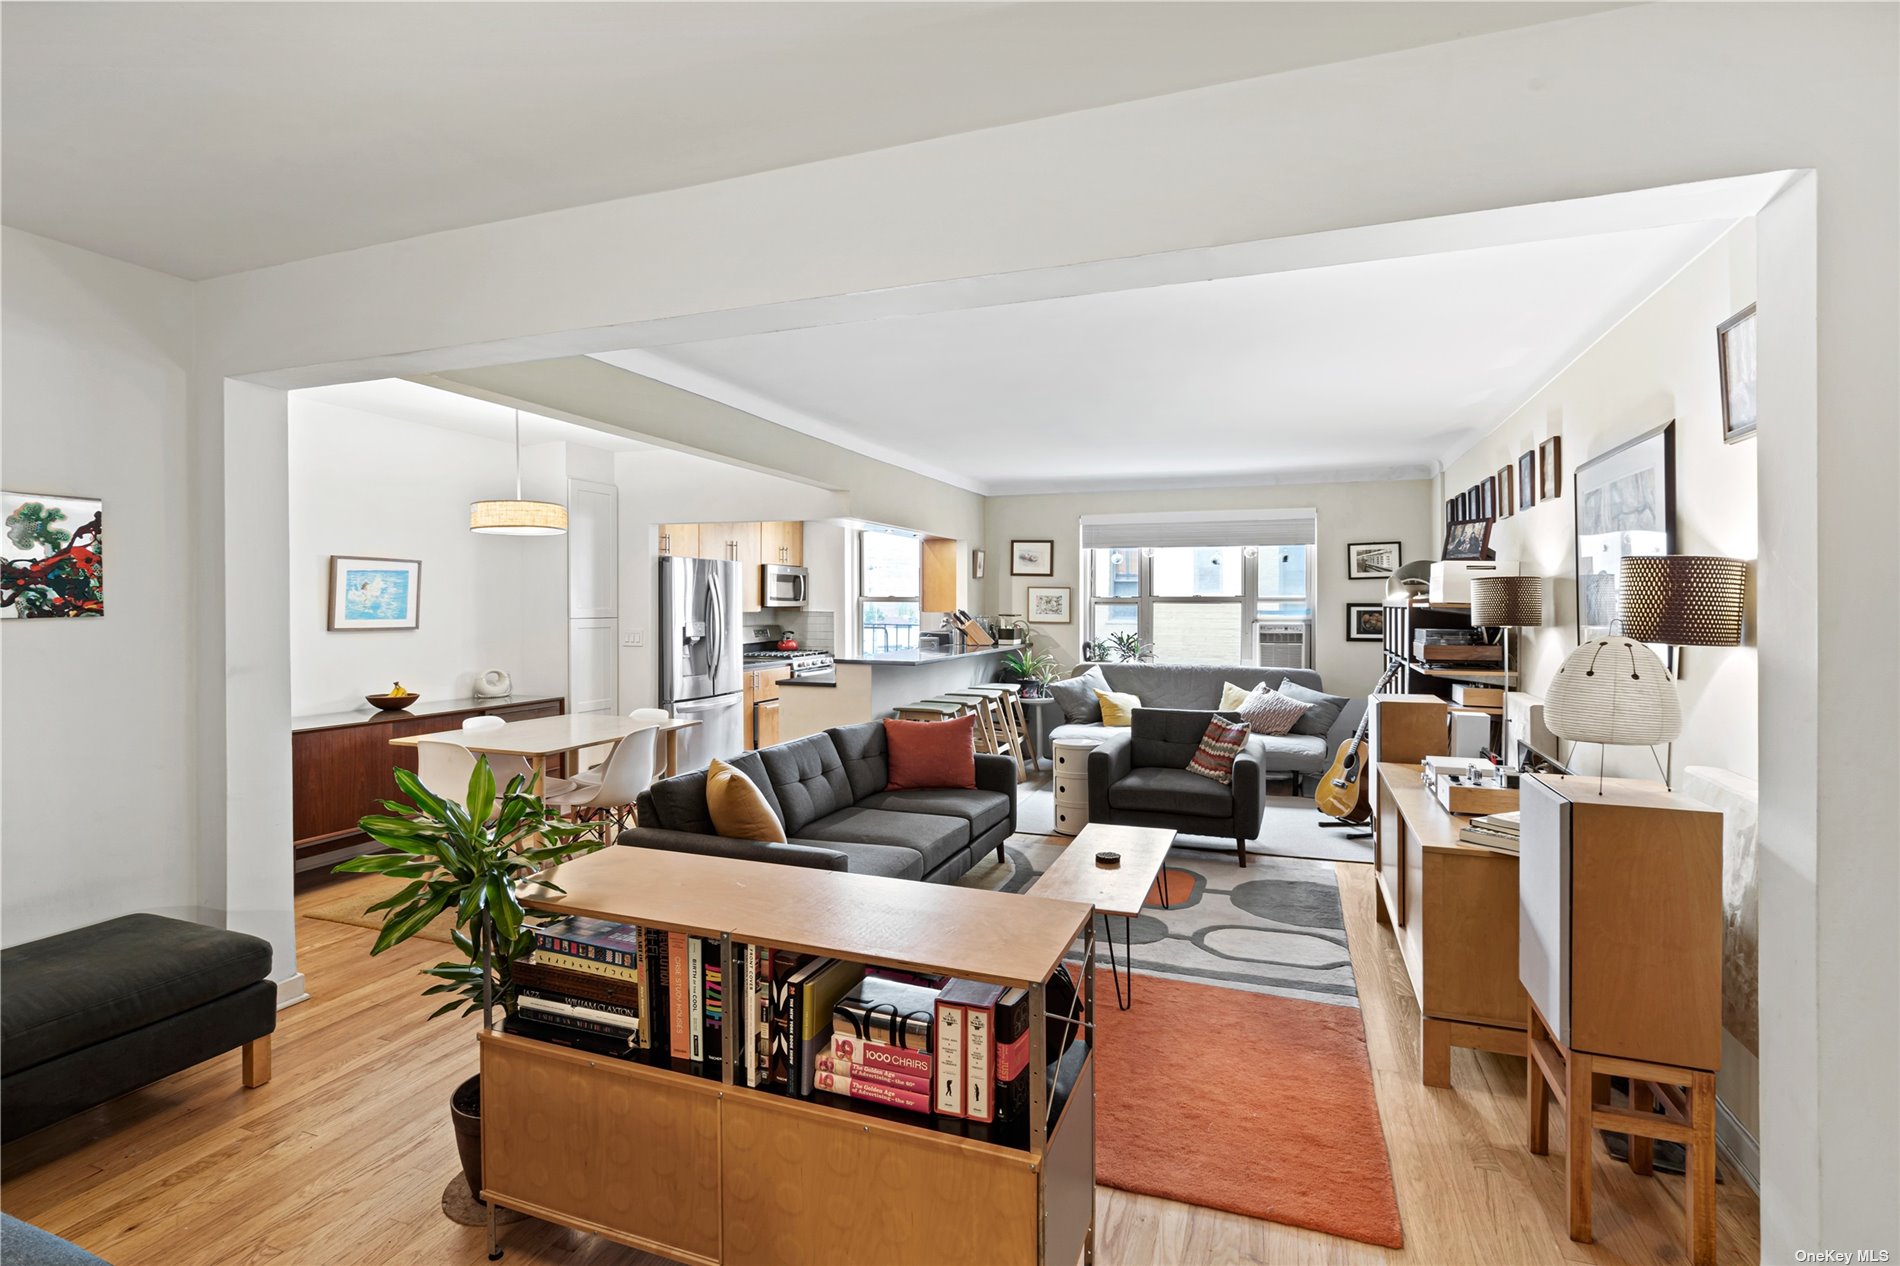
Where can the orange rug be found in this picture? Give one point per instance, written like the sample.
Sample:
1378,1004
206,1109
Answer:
1242,1101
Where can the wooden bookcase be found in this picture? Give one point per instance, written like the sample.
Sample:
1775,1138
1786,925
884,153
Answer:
704,1170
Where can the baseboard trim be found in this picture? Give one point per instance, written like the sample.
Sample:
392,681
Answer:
290,991
1738,1147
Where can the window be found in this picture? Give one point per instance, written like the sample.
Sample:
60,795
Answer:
890,591
1194,604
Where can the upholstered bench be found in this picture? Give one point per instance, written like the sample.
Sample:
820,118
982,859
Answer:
90,1014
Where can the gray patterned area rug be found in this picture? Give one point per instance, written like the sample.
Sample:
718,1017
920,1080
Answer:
1275,927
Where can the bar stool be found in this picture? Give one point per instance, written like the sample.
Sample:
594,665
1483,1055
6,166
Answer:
931,710
989,734
995,709
1018,715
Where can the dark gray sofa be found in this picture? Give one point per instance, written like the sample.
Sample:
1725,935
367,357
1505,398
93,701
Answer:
1304,754
1139,777
87,1015
828,792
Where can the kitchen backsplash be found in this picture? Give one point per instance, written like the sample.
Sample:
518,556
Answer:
815,630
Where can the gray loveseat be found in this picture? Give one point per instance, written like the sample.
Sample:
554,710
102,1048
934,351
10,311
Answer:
1138,776
1306,753
828,791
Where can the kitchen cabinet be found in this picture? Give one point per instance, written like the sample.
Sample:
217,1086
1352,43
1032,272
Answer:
940,574
681,539
737,543
761,704
782,544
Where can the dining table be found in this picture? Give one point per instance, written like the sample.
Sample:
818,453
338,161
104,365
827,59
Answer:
541,739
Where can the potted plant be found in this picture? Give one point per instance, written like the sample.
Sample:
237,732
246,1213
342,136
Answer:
1034,669
471,858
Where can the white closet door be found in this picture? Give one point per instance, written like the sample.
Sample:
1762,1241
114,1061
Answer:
592,664
592,550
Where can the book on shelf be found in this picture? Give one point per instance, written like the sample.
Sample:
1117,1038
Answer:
1493,830
829,1063
898,1013
815,990
678,1004
695,1001
1011,1076
575,936
713,1001
947,1086
969,1005
576,1034
779,1053
592,1019
577,986
849,1049
874,1092
588,966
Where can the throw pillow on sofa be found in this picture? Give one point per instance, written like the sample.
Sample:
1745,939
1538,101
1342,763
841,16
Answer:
1214,758
1270,712
1118,709
1232,696
931,754
1324,709
738,808
1076,697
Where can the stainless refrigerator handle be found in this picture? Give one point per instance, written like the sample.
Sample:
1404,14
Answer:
716,631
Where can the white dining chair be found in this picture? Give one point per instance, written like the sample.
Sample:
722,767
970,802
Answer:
655,716
609,800
504,767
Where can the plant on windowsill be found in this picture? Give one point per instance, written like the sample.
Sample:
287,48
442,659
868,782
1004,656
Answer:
1128,647
1034,669
473,858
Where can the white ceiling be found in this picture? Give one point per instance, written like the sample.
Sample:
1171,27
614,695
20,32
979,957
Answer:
207,138
1375,369
451,411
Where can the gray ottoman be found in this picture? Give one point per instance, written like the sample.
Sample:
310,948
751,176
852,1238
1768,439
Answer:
90,1014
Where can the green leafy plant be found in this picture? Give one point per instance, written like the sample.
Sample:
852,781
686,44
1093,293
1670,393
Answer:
1035,669
1127,647
469,856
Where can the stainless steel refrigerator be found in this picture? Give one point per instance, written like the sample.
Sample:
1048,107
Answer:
701,656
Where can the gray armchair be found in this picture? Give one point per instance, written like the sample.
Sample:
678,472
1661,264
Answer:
1139,777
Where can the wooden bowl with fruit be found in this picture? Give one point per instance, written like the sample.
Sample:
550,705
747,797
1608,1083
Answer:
396,700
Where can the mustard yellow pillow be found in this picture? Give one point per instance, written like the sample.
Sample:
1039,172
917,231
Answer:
1232,696
1117,708
737,807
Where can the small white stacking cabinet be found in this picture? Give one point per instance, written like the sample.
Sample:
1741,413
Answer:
1072,784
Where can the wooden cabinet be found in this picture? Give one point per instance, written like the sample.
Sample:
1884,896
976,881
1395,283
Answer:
940,574
341,763
736,543
680,539
761,705
782,544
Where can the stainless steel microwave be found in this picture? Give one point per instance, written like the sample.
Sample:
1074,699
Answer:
784,586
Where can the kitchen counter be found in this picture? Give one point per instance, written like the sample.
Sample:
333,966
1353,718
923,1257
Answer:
912,659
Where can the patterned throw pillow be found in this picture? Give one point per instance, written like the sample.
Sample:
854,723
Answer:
1214,758
1270,712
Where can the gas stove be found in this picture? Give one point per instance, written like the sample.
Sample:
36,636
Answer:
802,663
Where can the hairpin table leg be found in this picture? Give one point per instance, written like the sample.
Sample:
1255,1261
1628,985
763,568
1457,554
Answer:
1115,970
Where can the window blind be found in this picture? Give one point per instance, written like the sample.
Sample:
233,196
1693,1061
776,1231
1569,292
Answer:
1227,527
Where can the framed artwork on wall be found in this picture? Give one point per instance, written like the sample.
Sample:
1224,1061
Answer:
54,557
976,564
1506,502
1049,604
1735,353
1626,505
1527,480
374,593
1490,486
1550,473
1032,558
1365,622
1373,560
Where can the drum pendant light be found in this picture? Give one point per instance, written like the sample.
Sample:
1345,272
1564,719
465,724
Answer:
517,517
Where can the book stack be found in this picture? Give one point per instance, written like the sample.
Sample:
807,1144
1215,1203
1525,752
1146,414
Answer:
880,1049
639,988
1494,830
982,1052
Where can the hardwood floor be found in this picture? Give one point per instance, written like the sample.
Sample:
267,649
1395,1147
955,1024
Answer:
344,1156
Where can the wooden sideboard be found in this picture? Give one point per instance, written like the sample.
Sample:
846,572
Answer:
340,762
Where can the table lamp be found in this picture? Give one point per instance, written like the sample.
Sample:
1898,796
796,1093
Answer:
1507,602
1614,690
1681,600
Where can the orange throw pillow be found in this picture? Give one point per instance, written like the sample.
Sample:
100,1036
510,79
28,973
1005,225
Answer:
931,754
737,807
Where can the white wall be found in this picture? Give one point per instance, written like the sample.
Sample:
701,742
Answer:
97,805
380,487
1657,364
661,486
1395,510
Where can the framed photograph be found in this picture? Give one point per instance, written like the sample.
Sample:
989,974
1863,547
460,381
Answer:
977,559
1550,473
1365,622
1626,505
1049,604
53,560
1735,352
1505,506
1032,558
1467,540
1374,560
374,593
1490,486
1527,481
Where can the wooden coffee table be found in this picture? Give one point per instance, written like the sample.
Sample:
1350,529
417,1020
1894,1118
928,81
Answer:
1113,890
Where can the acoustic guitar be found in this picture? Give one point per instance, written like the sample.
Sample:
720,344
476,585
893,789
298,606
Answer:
1342,792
